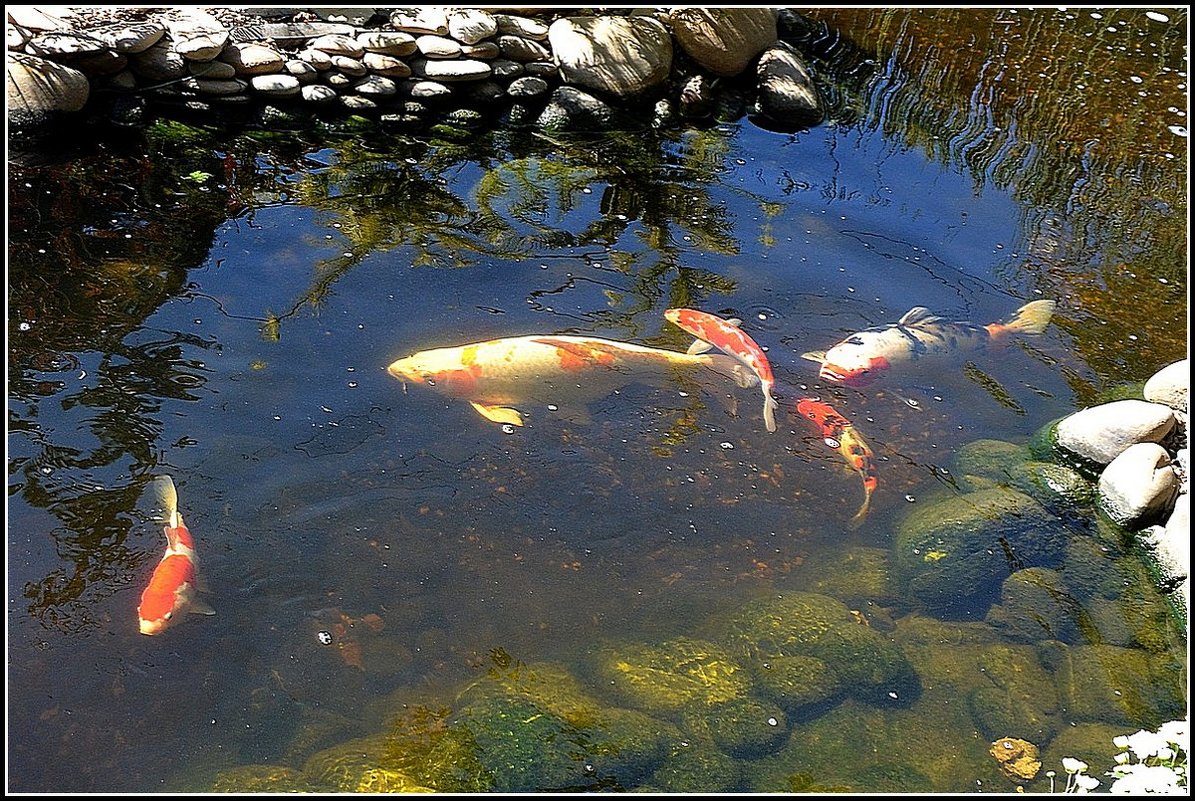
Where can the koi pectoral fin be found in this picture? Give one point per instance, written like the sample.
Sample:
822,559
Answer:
198,606
818,356
498,414
699,346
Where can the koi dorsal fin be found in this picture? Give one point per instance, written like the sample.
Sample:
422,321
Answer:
918,315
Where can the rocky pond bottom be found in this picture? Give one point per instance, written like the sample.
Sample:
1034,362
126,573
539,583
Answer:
1040,628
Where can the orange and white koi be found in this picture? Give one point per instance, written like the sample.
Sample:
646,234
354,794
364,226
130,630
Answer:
172,588
726,335
498,375
838,433
866,355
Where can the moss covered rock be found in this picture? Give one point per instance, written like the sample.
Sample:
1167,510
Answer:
796,682
624,746
548,684
363,765
857,575
697,766
666,677
955,553
1124,686
784,625
1035,604
1058,488
747,727
870,666
263,779
989,458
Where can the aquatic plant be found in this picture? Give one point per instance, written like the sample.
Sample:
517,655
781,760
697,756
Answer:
1147,762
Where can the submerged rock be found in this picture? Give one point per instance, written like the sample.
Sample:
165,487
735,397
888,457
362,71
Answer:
665,678
796,683
262,779
955,553
1035,604
1125,686
1018,759
747,727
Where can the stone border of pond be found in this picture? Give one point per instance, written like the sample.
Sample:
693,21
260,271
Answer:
409,69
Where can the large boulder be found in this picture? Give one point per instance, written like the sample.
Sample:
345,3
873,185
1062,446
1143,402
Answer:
955,553
723,40
36,90
1101,433
666,677
787,96
621,56
1171,385
1139,486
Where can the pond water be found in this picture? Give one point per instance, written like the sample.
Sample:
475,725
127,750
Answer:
223,309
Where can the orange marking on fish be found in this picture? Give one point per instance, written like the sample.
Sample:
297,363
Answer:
732,340
842,435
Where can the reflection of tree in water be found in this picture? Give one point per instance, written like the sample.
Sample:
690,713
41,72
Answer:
1071,110
96,246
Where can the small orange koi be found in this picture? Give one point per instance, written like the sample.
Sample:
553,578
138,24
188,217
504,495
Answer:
726,336
840,434
172,588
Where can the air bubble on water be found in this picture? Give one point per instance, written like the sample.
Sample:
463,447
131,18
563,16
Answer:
552,407
24,326
1157,16
773,722
46,471
910,499
683,394
831,442
276,417
727,446
325,637
1177,130
507,428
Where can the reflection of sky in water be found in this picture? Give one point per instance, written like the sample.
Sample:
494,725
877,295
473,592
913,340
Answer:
316,486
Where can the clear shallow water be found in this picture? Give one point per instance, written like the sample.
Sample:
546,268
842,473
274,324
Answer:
238,341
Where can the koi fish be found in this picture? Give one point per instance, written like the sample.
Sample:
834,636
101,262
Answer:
498,375
866,355
714,331
840,434
173,586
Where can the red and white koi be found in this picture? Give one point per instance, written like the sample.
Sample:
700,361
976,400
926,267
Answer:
726,335
172,588
838,433
866,355
500,374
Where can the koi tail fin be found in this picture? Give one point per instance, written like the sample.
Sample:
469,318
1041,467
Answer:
1032,318
769,412
165,497
861,515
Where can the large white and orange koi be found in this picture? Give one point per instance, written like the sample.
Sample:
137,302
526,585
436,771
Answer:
725,335
498,375
838,433
172,588
866,355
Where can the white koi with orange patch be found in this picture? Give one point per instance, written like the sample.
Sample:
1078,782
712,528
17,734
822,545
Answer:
866,355
726,336
172,589
497,375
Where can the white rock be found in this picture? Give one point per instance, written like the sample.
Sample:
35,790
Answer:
1101,433
376,86
349,66
619,55
36,89
483,50
1139,486
518,48
1170,546
438,46
521,26
306,73
196,35
455,70
353,15
253,59
337,44
37,19
470,25
316,93
317,58
386,65
392,43
133,38
276,85
212,70
426,19
723,40
1171,385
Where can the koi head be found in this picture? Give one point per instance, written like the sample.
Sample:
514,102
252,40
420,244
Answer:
850,362
447,367
822,414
